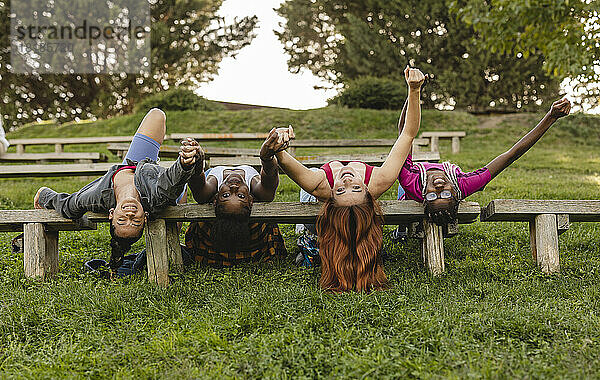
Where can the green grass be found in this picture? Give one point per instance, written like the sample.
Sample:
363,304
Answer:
492,315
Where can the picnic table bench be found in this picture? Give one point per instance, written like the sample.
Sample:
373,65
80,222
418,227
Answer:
40,241
81,157
70,170
435,136
547,220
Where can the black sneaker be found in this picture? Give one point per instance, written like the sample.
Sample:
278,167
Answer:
400,234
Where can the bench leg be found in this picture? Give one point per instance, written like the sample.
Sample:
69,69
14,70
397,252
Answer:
543,231
20,148
455,144
435,144
40,251
58,148
157,252
433,248
173,247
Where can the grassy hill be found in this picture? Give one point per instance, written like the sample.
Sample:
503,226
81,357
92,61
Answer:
493,314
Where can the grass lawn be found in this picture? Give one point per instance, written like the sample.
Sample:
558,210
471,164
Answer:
492,315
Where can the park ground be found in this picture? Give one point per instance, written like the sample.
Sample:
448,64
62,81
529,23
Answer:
491,315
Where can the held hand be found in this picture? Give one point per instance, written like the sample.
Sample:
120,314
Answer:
414,78
190,152
278,140
560,108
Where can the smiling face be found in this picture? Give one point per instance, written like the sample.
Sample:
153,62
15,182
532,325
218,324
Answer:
128,218
234,196
440,210
348,187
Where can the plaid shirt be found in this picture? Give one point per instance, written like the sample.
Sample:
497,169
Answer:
265,242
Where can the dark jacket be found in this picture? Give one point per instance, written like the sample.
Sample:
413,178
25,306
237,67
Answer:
158,187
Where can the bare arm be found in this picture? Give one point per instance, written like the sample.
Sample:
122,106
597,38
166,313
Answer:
202,190
385,176
559,109
313,182
266,187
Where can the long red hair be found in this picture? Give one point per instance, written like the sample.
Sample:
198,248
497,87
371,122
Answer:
350,238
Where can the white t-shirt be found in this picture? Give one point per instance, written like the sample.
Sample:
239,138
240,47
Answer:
249,173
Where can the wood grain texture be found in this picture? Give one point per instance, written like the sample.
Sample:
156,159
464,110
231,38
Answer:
523,210
69,156
40,251
351,143
546,243
50,218
157,252
433,248
71,140
217,136
296,212
443,134
13,220
173,247
173,151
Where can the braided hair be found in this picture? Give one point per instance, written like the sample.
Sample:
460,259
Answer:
119,246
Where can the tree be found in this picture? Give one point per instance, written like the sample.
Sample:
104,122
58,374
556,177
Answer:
188,42
342,40
566,32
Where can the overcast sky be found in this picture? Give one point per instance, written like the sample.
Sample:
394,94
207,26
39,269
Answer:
259,73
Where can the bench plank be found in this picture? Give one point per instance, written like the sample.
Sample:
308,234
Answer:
13,221
350,143
173,151
218,136
523,210
68,170
444,134
295,212
69,156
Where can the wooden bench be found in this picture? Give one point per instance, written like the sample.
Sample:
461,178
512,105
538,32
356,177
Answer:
81,157
60,142
172,151
162,237
353,143
73,170
40,242
547,220
434,138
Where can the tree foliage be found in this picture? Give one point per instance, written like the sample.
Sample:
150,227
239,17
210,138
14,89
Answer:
566,32
341,40
188,42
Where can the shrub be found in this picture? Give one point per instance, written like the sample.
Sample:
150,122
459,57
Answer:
177,99
372,92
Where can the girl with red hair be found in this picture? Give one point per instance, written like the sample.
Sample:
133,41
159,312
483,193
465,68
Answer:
349,225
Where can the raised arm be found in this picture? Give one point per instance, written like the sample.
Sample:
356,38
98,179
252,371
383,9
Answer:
384,176
559,109
202,190
266,187
313,182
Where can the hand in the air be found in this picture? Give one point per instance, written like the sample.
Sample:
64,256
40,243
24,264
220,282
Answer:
560,108
414,78
278,140
190,152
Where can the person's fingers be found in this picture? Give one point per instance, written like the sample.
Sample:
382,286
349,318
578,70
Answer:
291,129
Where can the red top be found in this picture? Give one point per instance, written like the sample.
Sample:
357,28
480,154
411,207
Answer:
329,173
122,168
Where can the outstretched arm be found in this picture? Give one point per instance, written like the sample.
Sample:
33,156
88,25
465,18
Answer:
266,187
192,154
559,109
313,182
387,174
